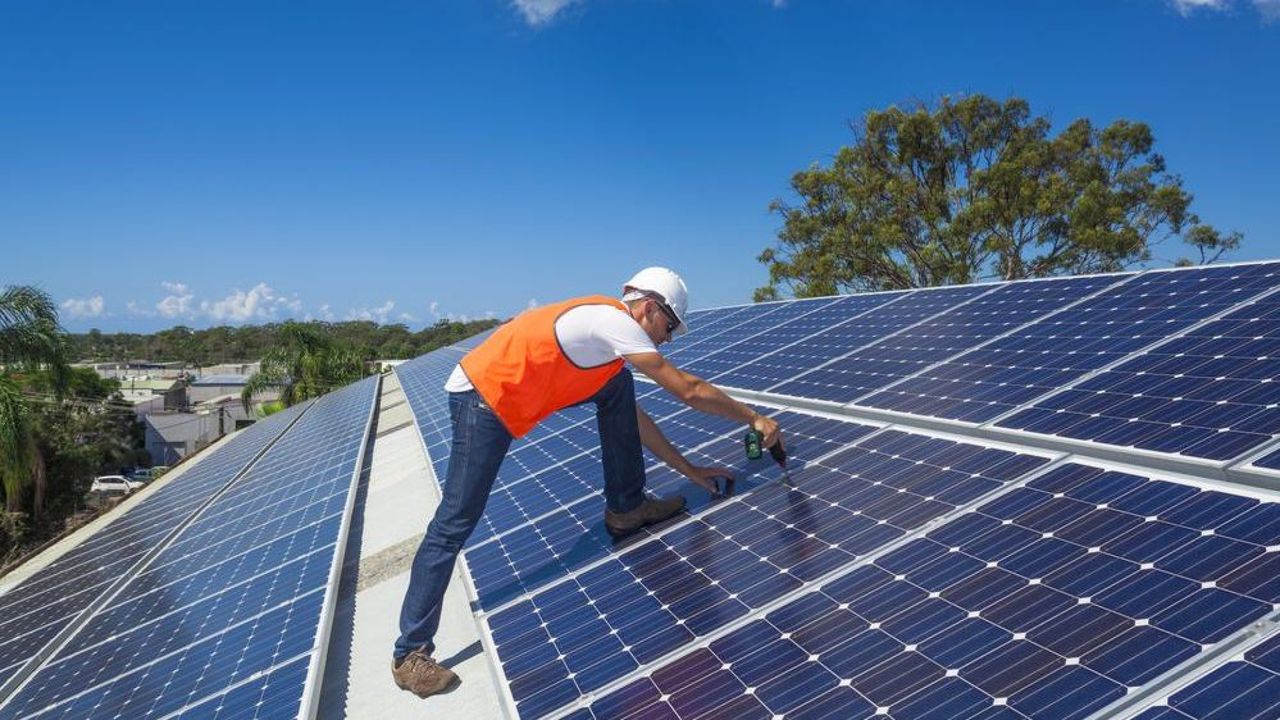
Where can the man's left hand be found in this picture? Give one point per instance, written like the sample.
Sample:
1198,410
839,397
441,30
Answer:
706,477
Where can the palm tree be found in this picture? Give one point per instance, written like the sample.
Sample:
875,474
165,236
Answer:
303,364
29,336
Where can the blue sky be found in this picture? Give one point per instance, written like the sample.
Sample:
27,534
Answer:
237,162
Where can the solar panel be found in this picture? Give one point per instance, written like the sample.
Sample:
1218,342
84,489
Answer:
731,366
1245,688
1156,415
1014,308
1271,461
718,328
567,540
240,593
1054,599
943,335
818,367
749,321
35,612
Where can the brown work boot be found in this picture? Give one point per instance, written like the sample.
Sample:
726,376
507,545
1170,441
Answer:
648,512
421,675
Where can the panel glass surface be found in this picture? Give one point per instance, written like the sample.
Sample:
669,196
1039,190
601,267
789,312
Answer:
1053,600
749,320
825,365
237,593
746,365
926,392
41,606
1247,688
1271,461
735,558
573,537
785,325
1150,308
1212,393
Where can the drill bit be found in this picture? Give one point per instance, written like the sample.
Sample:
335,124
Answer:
779,454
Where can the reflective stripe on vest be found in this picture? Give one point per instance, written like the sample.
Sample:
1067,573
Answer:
524,375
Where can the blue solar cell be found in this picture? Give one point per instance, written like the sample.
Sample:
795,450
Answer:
782,325
1049,354
1271,461
707,328
1246,687
272,695
572,537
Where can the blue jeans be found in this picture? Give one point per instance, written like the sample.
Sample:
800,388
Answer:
480,442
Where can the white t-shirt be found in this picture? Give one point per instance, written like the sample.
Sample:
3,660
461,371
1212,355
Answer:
591,335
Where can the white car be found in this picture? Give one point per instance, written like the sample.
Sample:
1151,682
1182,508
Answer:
114,484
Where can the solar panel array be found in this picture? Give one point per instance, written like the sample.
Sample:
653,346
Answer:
1246,688
219,606
994,570
33,613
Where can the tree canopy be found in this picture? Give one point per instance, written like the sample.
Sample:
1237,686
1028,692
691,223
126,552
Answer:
972,189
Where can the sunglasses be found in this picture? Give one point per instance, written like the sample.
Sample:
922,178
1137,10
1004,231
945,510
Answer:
673,322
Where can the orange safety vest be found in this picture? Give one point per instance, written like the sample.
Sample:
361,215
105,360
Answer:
524,375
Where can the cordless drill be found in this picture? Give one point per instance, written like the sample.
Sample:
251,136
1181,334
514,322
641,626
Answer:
754,441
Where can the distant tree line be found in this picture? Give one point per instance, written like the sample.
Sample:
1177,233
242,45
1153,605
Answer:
249,343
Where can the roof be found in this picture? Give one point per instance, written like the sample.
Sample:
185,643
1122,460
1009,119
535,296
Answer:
224,379
161,385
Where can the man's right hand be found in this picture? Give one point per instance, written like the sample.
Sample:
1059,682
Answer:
768,427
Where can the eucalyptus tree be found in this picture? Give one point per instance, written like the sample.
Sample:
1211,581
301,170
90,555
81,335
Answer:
975,188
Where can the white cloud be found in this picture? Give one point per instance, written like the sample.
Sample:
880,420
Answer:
407,317
326,312
1186,7
259,303
378,314
541,12
435,309
1270,9
83,308
178,303
133,308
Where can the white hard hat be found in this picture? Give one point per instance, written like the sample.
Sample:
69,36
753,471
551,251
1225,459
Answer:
667,285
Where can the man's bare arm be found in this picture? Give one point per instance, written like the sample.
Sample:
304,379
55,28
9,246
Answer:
702,395
658,444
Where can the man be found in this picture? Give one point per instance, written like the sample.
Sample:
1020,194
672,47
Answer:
544,360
